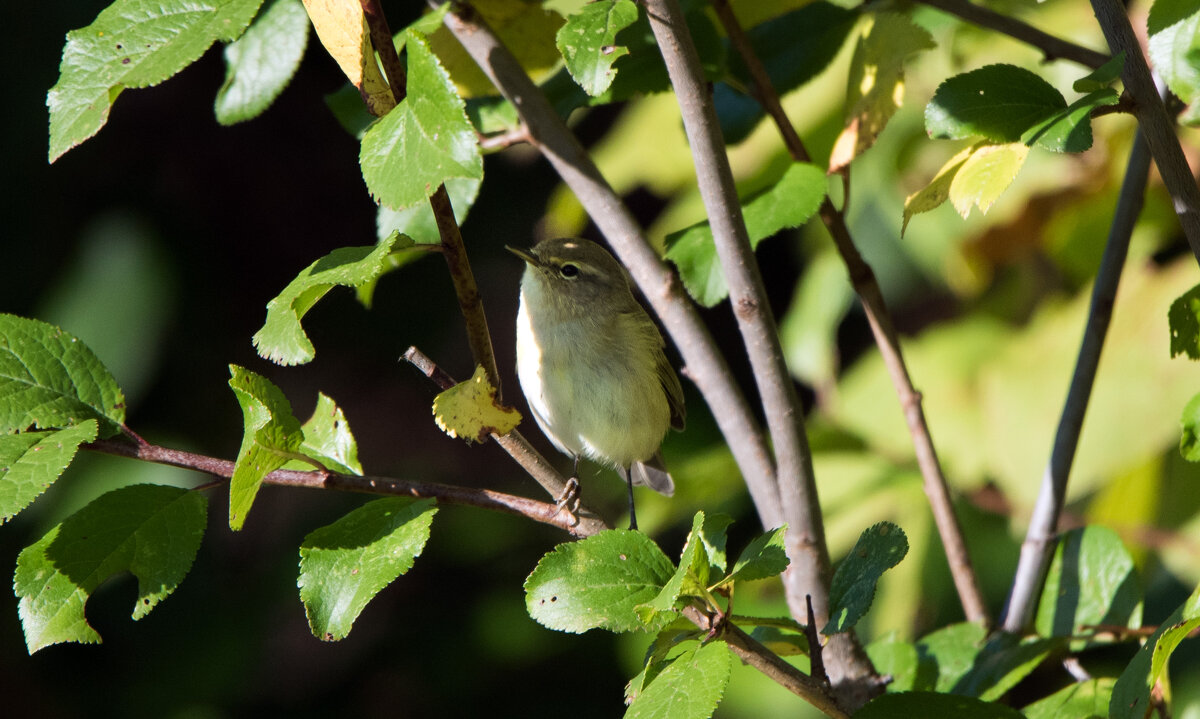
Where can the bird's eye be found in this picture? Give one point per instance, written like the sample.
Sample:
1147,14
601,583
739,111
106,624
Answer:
569,271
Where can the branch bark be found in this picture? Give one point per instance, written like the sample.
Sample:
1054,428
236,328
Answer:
1040,539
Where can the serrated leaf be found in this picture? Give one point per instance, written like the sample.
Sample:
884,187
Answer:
597,582
673,635
1083,700
132,44
260,63
587,42
152,531
424,141
327,438
342,28
876,82
49,379
271,436
764,557
985,175
1070,130
30,462
938,190
1174,26
1184,320
470,410
281,338
1091,581
853,587
345,564
790,202
417,221
1103,76
998,102
691,685
933,704
692,570
1131,694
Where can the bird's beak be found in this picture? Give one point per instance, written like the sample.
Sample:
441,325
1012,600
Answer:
523,254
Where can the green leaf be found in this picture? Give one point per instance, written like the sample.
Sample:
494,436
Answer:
597,582
712,533
1131,695
1174,26
30,462
150,530
588,42
693,566
808,330
1084,700
781,641
1091,580
327,438
133,43
691,685
272,436
1070,130
1184,319
417,221
985,175
1103,76
260,63
897,659
1189,440
345,564
938,190
790,202
998,102
764,557
1002,662
281,338
931,704
424,141
49,379
853,587
947,654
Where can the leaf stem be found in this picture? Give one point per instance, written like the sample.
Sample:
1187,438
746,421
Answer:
1042,535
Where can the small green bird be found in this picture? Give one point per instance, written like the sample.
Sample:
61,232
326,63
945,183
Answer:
592,366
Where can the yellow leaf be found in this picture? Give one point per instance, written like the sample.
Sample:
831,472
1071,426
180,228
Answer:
343,30
985,175
470,410
938,189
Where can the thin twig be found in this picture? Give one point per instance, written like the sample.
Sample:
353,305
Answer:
543,512
1053,48
661,287
1040,539
870,295
1153,120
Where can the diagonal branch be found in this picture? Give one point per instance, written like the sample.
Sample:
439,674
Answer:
1040,539
661,287
875,308
1053,48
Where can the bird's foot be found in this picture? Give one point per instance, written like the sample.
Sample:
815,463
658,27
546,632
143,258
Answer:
569,500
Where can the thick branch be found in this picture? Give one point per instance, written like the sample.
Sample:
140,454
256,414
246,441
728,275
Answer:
705,365
1053,48
1153,120
810,567
319,479
884,331
1040,539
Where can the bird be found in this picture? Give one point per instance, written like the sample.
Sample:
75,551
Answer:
592,366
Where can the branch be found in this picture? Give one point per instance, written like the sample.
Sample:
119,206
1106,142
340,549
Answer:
1153,120
1040,539
862,277
320,479
661,287
1053,48
465,288
809,571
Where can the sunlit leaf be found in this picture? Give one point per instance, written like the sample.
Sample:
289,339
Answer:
1091,581
1083,700
588,42
327,438
1131,695
271,436
31,461
471,411
985,175
853,587
342,29
689,687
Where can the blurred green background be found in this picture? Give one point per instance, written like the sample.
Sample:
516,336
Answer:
160,241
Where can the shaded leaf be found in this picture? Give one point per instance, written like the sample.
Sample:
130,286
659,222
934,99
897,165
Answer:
1184,319
345,564
260,63
764,557
417,222
783,642
597,582
1131,694
1091,580
897,659
150,530
808,330
1103,76
588,42
1189,440
30,462
281,339
424,141
132,44
998,102
1070,130
946,655
690,685
470,410
342,28
932,704
1002,662
49,379
271,436
853,587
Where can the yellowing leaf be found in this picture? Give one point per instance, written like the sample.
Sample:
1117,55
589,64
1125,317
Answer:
524,27
470,410
937,191
985,175
876,82
343,30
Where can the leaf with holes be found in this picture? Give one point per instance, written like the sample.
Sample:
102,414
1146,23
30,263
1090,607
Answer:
587,42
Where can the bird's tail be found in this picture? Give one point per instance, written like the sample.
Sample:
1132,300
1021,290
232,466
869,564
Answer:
653,474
